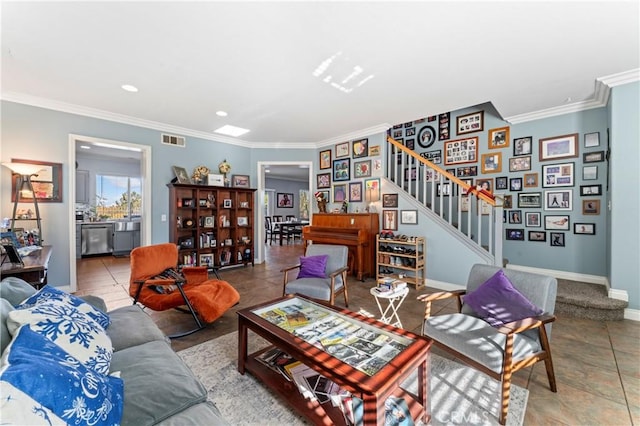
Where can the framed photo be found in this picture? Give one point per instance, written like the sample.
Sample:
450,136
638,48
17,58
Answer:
341,170
342,150
492,162
520,164
181,174
325,159
591,207
362,169
444,189
486,184
508,202
557,175
470,123
339,192
226,203
530,200
499,137
515,184
323,180
502,183
558,200
584,228
515,234
206,259
591,139
240,181
409,217
557,147
209,221
243,221
426,136
389,200
590,190
390,220
355,191
556,222
461,151
360,148
556,239
467,171
593,157
374,151
540,236
532,219
215,179
410,173
522,146
589,172
530,180
515,216
285,200
411,144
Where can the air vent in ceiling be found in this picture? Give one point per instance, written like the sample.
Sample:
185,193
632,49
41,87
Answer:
173,140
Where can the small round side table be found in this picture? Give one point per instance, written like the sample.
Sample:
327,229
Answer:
394,299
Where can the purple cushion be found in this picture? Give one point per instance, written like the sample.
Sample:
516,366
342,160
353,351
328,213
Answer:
498,302
313,266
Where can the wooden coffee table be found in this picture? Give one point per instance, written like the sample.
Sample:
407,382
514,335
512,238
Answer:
300,326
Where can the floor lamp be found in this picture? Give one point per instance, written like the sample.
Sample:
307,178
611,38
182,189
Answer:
23,172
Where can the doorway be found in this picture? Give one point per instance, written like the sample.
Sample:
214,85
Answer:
116,151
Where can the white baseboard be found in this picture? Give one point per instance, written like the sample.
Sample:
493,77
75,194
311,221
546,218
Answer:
442,285
563,275
632,314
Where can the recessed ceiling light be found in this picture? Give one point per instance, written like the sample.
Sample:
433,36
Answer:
231,131
221,113
129,88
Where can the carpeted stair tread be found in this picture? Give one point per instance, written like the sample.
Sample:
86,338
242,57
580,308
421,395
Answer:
590,301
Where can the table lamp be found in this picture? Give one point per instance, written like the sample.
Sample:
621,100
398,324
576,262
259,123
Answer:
371,196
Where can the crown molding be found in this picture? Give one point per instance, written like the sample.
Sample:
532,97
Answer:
600,99
380,128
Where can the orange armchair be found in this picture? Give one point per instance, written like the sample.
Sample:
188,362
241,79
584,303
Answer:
156,283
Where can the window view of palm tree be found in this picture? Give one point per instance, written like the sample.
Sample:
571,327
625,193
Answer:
118,197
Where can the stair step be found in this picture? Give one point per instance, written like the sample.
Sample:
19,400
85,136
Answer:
589,301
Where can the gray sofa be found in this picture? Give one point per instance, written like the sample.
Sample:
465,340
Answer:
159,388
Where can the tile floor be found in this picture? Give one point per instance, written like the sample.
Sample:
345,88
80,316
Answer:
597,363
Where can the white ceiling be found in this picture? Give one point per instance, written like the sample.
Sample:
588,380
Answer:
257,61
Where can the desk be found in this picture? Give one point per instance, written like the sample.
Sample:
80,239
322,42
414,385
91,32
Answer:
34,270
286,226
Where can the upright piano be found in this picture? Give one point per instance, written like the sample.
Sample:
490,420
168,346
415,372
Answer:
355,230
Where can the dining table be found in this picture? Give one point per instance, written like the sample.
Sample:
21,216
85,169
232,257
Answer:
287,226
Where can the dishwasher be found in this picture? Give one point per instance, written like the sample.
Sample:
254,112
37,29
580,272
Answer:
97,238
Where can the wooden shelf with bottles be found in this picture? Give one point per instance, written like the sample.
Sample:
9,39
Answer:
212,225
403,259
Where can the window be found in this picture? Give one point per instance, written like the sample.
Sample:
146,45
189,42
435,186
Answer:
118,197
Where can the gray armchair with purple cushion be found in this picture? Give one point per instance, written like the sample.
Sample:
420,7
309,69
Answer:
504,324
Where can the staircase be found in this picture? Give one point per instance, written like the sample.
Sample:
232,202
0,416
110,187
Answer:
588,301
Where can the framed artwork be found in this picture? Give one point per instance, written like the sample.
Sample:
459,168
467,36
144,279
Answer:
557,147
556,239
325,159
593,157
499,138
243,221
461,151
444,122
502,183
410,132
519,164
590,190
410,173
360,148
214,179
326,195
589,172
584,228
389,200
591,207
465,201
515,216
532,219
240,181
558,199
444,189
410,143
556,222
373,183
206,259
362,169
181,174
9,238
591,139
390,220
355,192
515,234
530,200
226,203
522,146
285,200
341,170
342,150
339,192
431,175
47,184
434,156
470,123
409,217
515,184
323,180
492,162
426,136
486,184
557,175
530,180
508,202
374,151
467,171
539,236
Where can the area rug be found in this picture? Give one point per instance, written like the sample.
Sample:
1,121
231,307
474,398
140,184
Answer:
459,394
